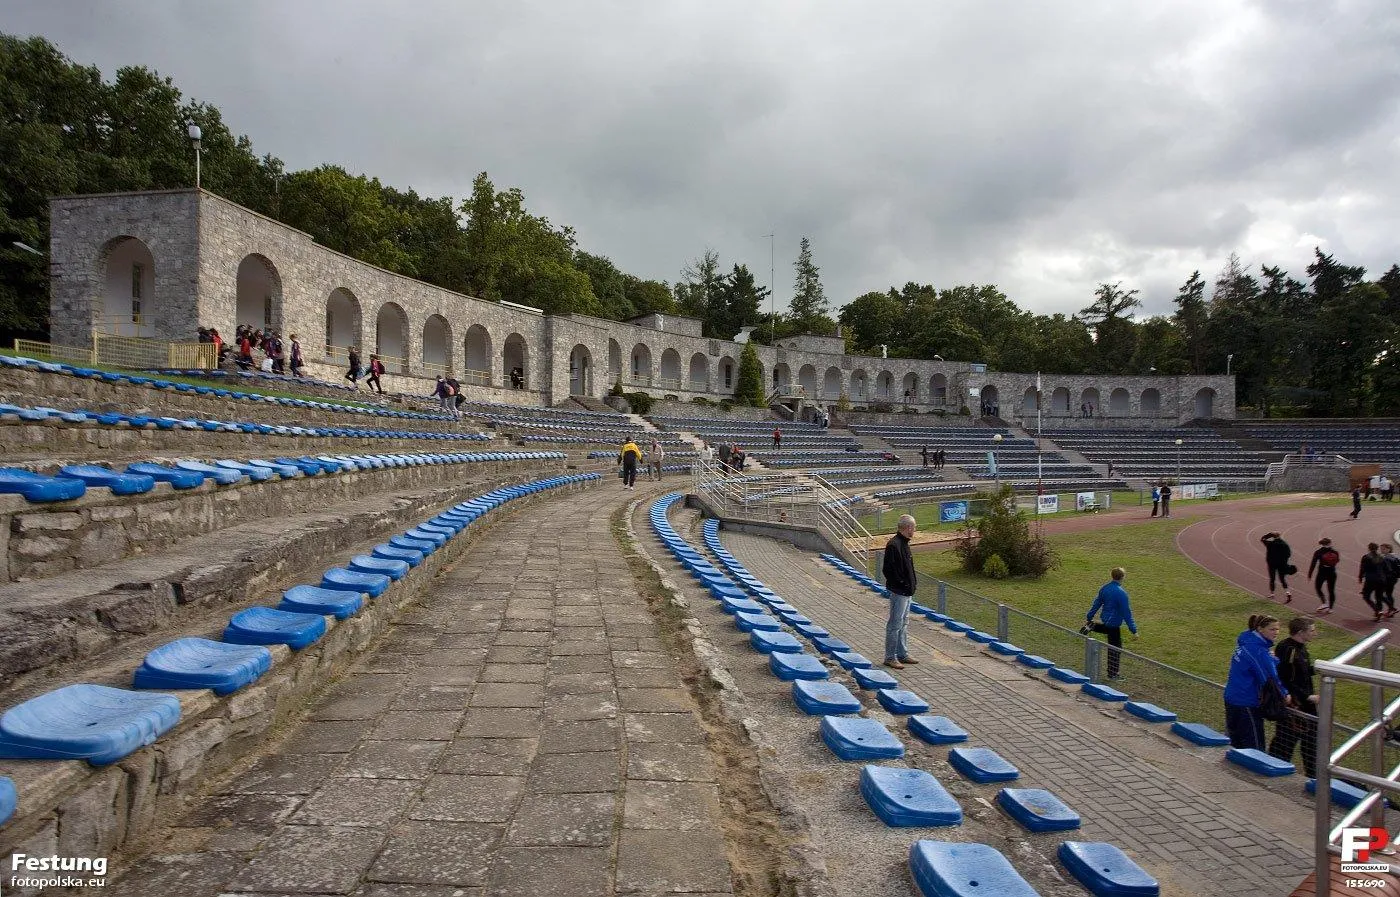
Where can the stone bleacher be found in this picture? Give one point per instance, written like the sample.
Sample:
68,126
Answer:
1153,454
1018,459
1377,443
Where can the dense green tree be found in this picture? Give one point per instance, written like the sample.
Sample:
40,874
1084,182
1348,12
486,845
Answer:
808,310
1063,345
749,388
648,296
700,291
875,319
609,286
1192,320
741,302
1354,336
1159,348
1110,316
348,213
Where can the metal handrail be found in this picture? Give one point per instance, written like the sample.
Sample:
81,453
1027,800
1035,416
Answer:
1342,668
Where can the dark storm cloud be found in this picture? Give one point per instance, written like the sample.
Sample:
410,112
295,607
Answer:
1041,147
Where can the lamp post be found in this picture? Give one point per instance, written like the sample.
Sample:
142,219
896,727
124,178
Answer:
1228,360
1178,462
195,135
996,468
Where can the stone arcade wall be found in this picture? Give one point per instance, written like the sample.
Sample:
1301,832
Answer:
198,242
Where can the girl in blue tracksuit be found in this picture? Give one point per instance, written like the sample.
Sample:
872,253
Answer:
1252,664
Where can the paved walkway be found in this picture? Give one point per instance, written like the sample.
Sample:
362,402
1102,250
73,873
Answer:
1199,828
522,731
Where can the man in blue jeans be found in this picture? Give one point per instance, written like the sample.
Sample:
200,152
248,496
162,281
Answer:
1114,612
900,581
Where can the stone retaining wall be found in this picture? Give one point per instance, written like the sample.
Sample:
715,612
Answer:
70,808
715,412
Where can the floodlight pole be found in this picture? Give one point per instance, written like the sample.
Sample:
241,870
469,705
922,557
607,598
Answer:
772,290
195,134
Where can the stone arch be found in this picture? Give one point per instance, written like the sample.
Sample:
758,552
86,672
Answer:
478,357
1030,400
699,374
129,289
884,386
259,293
343,322
860,386
614,360
782,377
515,362
580,371
1059,400
910,388
670,369
391,337
437,345
990,398
641,364
807,379
728,375
1204,403
1150,403
1119,402
1090,396
938,389
831,383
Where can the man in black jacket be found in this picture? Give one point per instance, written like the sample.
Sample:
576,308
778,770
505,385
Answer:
1295,669
900,581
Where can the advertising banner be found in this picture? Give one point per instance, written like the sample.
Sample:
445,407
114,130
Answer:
1084,500
1047,504
952,511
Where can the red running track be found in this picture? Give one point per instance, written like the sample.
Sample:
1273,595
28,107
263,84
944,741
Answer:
1227,544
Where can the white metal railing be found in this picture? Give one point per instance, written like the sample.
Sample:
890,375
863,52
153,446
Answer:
1294,459
784,498
1379,782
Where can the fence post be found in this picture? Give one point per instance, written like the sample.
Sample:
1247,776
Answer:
1003,623
1092,649
942,597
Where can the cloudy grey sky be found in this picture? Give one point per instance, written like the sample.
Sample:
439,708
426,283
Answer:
1043,147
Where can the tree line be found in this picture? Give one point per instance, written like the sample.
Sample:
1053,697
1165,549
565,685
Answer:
1320,344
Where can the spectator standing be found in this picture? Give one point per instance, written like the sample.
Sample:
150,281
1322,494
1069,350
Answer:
1392,571
629,457
276,352
1156,499
1110,469
923,453
1295,670
353,374
1115,612
900,582
1355,502
657,455
1251,667
1371,575
376,367
1324,561
298,360
1166,499
1276,555
218,342
777,438
443,393
724,455
245,351
457,398
942,458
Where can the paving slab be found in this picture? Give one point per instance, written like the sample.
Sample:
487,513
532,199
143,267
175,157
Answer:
393,759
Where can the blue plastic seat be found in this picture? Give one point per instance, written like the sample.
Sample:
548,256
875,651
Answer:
221,475
1150,712
768,642
390,567
821,698
86,722
787,666
316,600
1106,871
202,663
37,487
858,738
850,660
1037,809
829,644
746,622
956,626
9,799
285,471
811,630
372,584
898,700
119,483
982,765
437,538
1344,794
980,637
1068,676
1258,761
908,797
792,617
179,479
1200,733
740,605
949,869
1006,649
256,474
411,556
269,626
873,678
423,545
937,729
1103,692
1035,661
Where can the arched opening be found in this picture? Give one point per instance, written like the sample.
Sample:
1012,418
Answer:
1059,401
128,300
641,364
1205,403
614,361
1030,401
910,386
259,303
477,356
727,374
437,336
831,383
699,373
670,369
342,323
991,401
807,379
860,387
1119,402
782,378
391,337
938,389
1089,402
515,362
884,386
580,371
1151,402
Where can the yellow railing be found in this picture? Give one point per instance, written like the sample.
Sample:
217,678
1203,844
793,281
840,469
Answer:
476,378
50,352
432,369
137,353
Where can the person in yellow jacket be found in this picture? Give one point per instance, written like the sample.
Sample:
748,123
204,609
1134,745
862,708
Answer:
629,457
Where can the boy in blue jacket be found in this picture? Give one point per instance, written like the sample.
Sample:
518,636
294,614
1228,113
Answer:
1115,612
1252,665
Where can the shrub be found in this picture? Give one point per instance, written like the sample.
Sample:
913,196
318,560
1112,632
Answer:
1004,533
749,389
965,411
995,567
640,401
882,407
700,400
843,403
617,387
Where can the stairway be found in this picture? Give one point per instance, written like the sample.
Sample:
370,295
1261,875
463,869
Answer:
586,403
1262,447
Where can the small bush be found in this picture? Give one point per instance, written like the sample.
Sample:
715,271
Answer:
882,407
965,411
617,388
641,402
995,567
843,403
1004,533
700,400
